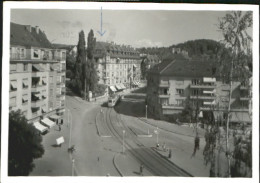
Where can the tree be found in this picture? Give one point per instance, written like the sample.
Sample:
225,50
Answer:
24,145
234,27
144,68
79,65
90,71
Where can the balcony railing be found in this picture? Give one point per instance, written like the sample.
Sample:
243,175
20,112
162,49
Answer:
17,56
245,98
173,106
164,84
203,97
242,87
202,86
164,95
36,88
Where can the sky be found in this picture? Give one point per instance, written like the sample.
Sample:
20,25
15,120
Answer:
138,28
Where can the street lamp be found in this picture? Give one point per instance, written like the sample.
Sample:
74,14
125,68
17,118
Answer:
123,141
73,166
157,133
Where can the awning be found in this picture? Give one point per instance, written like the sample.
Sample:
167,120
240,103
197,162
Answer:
14,84
112,88
240,117
61,111
122,86
44,109
209,92
209,80
48,122
37,94
54,116
118,87
37,67
25,82
134,65
25,98
44,80
40,127
209,103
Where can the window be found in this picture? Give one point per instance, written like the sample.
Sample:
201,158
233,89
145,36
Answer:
25,83
13,67
25,67
36,53
179,91
13,85
22,52
25,99
195,92
12,102
179,102
195,81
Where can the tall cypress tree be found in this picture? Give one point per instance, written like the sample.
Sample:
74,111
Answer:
80,63
91,73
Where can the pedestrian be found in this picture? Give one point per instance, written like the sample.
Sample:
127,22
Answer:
170,154
164,146
61,121
141,169
59,127
98,158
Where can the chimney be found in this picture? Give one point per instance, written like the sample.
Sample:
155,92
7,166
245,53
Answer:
28,27
37,29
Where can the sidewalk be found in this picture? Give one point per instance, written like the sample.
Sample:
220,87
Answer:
55,160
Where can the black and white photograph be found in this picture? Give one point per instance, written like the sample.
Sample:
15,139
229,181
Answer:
130,90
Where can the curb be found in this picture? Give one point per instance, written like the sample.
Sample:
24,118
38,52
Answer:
145,121
116,166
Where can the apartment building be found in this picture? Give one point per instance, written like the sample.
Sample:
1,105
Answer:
37,75
118,66
173,85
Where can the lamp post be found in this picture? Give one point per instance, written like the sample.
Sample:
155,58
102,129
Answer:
157,133
146,117
73,167
70,122
146,111
123,141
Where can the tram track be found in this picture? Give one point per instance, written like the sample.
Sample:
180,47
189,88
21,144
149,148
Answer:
152,160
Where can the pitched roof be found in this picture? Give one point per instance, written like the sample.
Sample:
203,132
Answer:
106,47
181,66
20,35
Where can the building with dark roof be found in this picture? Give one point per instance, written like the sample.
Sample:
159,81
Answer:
173,85
117,65
37,75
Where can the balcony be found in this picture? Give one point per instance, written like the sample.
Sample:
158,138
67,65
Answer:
164,95
36,103
37,88
17,56
164,84
203,97
243,87
245,98
202,86
180,107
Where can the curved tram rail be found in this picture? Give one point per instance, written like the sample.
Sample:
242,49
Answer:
152,160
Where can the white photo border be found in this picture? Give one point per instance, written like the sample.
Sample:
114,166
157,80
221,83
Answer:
7,6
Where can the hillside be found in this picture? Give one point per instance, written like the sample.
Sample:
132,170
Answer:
195,48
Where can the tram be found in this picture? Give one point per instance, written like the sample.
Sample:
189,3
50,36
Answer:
113,100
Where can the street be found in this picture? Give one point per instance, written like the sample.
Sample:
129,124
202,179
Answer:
99,133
